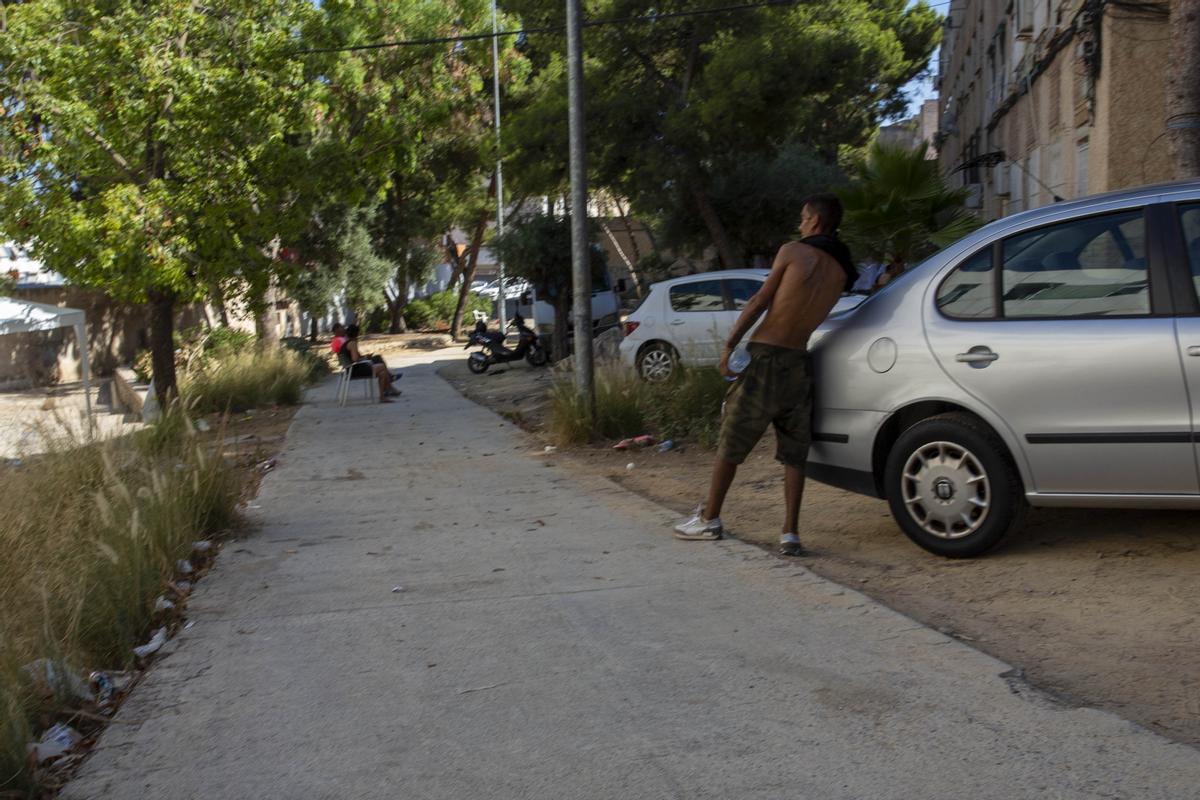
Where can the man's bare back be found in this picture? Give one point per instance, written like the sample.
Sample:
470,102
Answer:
810,283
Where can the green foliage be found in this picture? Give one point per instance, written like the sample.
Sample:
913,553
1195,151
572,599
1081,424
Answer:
419,315
79,574
245,379
147,147
899,208
366,272
438,309
688,407
678,107
537,247
758,197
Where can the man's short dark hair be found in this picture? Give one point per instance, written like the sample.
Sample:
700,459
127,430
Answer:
827,208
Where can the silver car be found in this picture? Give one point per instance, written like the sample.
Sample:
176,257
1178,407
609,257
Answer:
1051,358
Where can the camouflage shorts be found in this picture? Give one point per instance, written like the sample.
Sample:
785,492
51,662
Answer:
776,389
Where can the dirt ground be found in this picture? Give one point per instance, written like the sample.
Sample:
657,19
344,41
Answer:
1098,608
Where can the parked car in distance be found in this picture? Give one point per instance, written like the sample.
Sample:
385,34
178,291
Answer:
687,320
1051,358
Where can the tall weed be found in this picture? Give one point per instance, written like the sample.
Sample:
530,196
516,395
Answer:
245,379
92,530
686,407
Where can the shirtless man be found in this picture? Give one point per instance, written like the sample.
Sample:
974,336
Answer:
806,280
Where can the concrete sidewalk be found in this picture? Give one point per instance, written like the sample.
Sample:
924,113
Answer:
553,641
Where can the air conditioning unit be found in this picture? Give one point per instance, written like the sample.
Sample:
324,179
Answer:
1000,179
974,195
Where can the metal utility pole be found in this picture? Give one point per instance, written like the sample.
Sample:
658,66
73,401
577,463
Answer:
581,271
501,296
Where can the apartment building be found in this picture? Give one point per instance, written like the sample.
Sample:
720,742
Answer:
1052,99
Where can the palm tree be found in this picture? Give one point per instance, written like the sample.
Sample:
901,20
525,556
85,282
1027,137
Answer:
900,210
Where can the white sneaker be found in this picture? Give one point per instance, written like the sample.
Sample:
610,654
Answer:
697,528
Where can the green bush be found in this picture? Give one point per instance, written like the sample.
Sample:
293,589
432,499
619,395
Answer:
438,309
418,315
686,407
92,531
247,379
194,346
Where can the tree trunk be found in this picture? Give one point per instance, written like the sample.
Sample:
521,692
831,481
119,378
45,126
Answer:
265,321
397,304
716,230
633,245
162,346
218,300
562,309
1183,89
469,278
312,329
456,261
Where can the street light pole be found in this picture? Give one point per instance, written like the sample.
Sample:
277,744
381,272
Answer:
501,295
581,272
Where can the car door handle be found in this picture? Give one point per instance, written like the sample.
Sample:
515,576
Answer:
977,355
679,322
1194,350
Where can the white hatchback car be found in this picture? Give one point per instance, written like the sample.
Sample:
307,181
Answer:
687,320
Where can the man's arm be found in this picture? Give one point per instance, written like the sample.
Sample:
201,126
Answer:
755,306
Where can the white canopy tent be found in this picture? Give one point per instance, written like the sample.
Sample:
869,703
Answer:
22,316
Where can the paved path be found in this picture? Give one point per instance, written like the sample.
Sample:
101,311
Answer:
553,641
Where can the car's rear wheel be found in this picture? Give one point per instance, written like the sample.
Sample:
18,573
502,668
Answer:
656,362
952,486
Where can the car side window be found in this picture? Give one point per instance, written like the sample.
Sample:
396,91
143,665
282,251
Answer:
1095,266
741,290
969,292
1189,219
698,296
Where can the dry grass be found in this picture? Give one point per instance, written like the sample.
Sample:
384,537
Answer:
249,378
91,531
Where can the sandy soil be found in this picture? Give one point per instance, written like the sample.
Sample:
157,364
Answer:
1096,607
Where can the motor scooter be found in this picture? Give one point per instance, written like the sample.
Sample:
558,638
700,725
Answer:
495,351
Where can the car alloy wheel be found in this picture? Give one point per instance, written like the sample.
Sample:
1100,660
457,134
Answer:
656,364
952,486
946,490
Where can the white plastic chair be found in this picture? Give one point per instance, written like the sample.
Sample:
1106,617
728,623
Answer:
348,366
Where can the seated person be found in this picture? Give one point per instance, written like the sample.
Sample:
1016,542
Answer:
339,337
375,366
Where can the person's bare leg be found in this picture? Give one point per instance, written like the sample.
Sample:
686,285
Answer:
382,376
722,478
793,494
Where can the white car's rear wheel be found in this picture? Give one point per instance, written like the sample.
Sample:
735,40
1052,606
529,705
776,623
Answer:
656,363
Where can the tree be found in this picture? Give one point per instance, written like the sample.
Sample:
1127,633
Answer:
417,120
669,100
758,196
413,266
537,247
143,144
899,209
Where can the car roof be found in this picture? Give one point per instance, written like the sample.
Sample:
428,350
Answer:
717,273
1175,190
